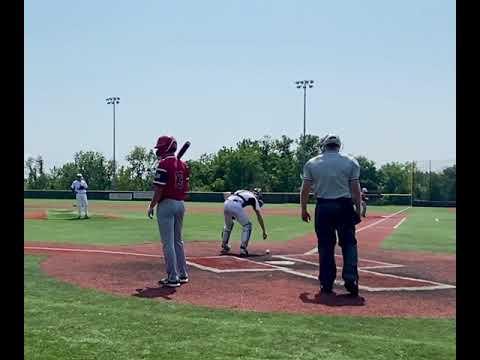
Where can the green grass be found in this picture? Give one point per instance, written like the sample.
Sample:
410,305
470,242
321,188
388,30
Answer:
421,232
62,321
134,227
137,228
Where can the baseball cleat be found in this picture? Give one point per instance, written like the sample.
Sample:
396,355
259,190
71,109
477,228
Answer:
352,287
168,283
184,280
243,252
225,249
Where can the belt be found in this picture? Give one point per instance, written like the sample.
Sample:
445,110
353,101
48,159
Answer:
342,199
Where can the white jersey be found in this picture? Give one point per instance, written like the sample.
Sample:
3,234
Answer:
80,187
246,198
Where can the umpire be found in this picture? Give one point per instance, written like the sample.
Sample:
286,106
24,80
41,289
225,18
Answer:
335,180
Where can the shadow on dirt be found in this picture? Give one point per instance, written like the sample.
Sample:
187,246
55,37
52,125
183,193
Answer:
156,292
332,299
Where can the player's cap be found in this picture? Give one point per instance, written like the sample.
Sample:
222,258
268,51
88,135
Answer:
331,139
79,175
364,190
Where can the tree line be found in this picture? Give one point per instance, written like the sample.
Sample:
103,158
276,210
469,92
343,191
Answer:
275,165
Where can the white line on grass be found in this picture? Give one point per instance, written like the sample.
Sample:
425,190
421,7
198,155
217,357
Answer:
314,250
400,223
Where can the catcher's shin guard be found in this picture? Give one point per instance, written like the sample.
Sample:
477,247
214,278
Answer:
364,209
226,236
246,232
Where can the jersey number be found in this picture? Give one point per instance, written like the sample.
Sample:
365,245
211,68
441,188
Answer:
179,180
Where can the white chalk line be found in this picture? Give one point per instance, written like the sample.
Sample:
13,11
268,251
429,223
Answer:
382,266
400,223
436,285
91,251
314,250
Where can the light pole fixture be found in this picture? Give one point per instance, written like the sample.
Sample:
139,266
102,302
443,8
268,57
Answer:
112,101
304,84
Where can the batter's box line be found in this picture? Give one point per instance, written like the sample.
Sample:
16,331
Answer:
382,265
220,271
434,286
315,250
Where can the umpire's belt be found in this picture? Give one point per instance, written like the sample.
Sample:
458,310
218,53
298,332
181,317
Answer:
337,200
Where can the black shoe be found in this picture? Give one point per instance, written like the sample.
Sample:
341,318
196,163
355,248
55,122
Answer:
243,252
184,280
326,290
352,287
168,283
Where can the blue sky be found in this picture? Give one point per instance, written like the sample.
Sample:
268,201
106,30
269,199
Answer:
214,72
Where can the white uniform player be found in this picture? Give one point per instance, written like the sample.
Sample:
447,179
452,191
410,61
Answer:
233,209
79,187
364,202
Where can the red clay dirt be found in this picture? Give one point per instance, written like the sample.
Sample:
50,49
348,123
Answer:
35,215
256,285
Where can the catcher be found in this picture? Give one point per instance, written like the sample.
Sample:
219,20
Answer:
233,209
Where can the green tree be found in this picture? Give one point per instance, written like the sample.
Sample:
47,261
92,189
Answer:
36,176
395,178
139,170
308,147
66,174
369,175
450,182
201,173
237,168
96,170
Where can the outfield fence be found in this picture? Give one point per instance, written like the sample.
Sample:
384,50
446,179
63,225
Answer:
216,197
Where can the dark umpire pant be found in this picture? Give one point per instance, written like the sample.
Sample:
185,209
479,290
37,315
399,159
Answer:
336,215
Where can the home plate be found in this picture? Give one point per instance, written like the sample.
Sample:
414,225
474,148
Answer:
280,262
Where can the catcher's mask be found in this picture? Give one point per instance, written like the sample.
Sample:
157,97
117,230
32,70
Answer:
166,145
258,194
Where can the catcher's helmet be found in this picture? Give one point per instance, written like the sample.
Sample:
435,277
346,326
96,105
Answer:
329,139
258,194
165,145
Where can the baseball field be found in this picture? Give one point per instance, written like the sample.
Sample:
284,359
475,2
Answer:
91,287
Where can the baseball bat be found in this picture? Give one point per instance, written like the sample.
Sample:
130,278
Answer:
183,149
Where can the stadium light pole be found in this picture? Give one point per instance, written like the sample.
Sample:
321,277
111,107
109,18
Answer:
304,84
112,101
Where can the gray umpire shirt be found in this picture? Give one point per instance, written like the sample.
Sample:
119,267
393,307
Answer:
331,173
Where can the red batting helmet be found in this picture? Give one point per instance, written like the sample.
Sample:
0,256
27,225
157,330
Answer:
166,145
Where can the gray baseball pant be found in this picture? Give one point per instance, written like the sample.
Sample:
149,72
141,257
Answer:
170,222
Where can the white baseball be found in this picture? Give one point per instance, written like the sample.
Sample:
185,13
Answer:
267,251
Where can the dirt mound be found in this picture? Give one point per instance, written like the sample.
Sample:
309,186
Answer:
35,215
